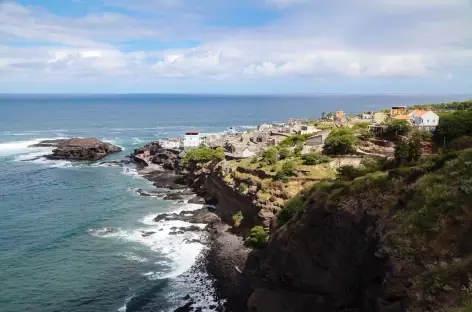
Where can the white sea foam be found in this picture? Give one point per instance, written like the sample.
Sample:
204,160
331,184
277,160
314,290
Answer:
14,148
137,141
133,257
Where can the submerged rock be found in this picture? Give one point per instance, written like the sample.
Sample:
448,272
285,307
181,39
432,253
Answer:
76,149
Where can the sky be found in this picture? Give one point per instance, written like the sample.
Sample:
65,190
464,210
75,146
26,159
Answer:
236,46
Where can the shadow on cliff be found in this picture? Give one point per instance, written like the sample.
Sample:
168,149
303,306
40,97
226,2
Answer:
322,260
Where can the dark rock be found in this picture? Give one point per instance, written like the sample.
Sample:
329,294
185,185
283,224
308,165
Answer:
187,297
196,200
76,149
50,143
173,196
198,309
146,234
115,163
185,308
196,216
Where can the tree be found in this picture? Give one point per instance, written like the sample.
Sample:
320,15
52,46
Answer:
270,156
401,152
340,142
298,149
408,150
453,125
288,169
399,127
284,153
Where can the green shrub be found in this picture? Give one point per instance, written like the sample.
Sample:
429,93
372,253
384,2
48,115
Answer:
366,134
254,160
408,150
288,168
298,150
460,143
348,172
243,187
289,210
270,156
294,140
238,218
284,153
257,238
361,126
453,125
312,159
203,155
340,141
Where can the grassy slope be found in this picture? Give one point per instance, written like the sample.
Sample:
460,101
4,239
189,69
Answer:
426,213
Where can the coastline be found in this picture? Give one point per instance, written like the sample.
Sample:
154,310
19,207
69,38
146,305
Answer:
225,255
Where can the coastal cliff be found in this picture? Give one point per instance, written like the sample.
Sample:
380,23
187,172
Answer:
392,239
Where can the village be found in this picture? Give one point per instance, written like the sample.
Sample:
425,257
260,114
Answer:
241,145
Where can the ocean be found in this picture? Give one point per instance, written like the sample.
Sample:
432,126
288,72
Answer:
71,233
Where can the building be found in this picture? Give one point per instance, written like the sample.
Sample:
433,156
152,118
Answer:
339,114
231,130
171,144
317,139
397,110
304,129
402,117
247,153
192,139
368,115
425,119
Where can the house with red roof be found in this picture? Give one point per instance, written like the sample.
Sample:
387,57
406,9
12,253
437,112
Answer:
424,119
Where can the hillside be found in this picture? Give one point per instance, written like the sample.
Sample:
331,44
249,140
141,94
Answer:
390,240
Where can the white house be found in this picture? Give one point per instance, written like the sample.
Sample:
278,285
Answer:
425,119
171,143
247,153
368,115
192,139
305,129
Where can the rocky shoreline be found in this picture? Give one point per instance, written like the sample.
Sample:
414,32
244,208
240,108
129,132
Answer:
227,254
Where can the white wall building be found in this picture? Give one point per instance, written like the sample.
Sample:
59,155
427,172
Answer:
304,129
192,139
427,120
247,153
171,144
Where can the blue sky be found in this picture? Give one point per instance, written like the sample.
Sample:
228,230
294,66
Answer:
236,46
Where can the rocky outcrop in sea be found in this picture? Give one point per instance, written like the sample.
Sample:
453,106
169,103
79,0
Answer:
78,149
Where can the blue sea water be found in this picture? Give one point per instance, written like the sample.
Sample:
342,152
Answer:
55,251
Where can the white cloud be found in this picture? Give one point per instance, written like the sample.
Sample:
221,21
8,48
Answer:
315,39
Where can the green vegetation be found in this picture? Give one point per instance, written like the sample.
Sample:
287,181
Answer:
312,159
238,218
361,126
460,143
340,142
290,209
453,125
257,238
270,156
294,140
466,105
298,149
408,150
399,127
287,170
243,188
284,153
426,207
203,155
